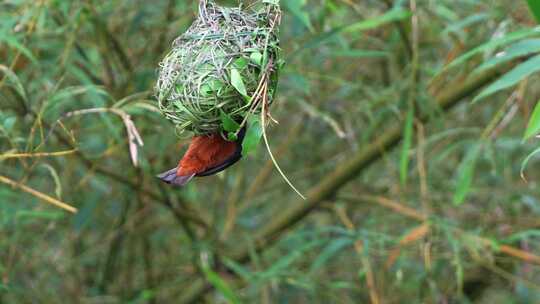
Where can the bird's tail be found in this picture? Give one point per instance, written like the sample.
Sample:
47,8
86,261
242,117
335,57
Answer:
171,177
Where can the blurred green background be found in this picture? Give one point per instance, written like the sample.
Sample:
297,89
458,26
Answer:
409,125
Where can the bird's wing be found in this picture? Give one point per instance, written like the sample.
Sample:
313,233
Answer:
225,164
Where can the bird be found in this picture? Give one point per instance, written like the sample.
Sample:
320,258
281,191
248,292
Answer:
205,156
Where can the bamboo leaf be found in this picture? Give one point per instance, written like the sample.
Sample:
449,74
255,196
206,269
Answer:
512,78
534,123
507,39
59,100
56,179
369,24
527,160
9,123
220,285
519,49
534,5
466,173
238,269
17,84
396,14
285,262
14,43
296,8
407,143
329,251
360,54
465,23
36,214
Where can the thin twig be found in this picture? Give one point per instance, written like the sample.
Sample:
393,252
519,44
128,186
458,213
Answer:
37,155
265,172
42,196
265,137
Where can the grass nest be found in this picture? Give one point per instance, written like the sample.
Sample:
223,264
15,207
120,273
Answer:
223,69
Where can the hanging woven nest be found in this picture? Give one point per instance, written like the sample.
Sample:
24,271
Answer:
222,69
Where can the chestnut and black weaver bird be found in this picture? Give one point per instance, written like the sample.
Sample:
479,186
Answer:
206,155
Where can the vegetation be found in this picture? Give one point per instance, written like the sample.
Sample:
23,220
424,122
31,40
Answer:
411,126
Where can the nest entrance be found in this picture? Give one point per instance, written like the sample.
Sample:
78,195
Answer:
221,67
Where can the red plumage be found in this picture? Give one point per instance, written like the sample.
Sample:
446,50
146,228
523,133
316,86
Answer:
206,155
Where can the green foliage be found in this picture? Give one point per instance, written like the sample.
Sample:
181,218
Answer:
533,128
534,5
418,194
14,81
14,43
238,83
495,43
407,143
228,123
527,160
517,50
253,136
296,7
512,78
466,172
390,16
220,284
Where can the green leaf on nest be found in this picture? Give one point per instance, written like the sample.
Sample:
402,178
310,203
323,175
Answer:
257,58
240,63
238,83
228,123
212,87
253,136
